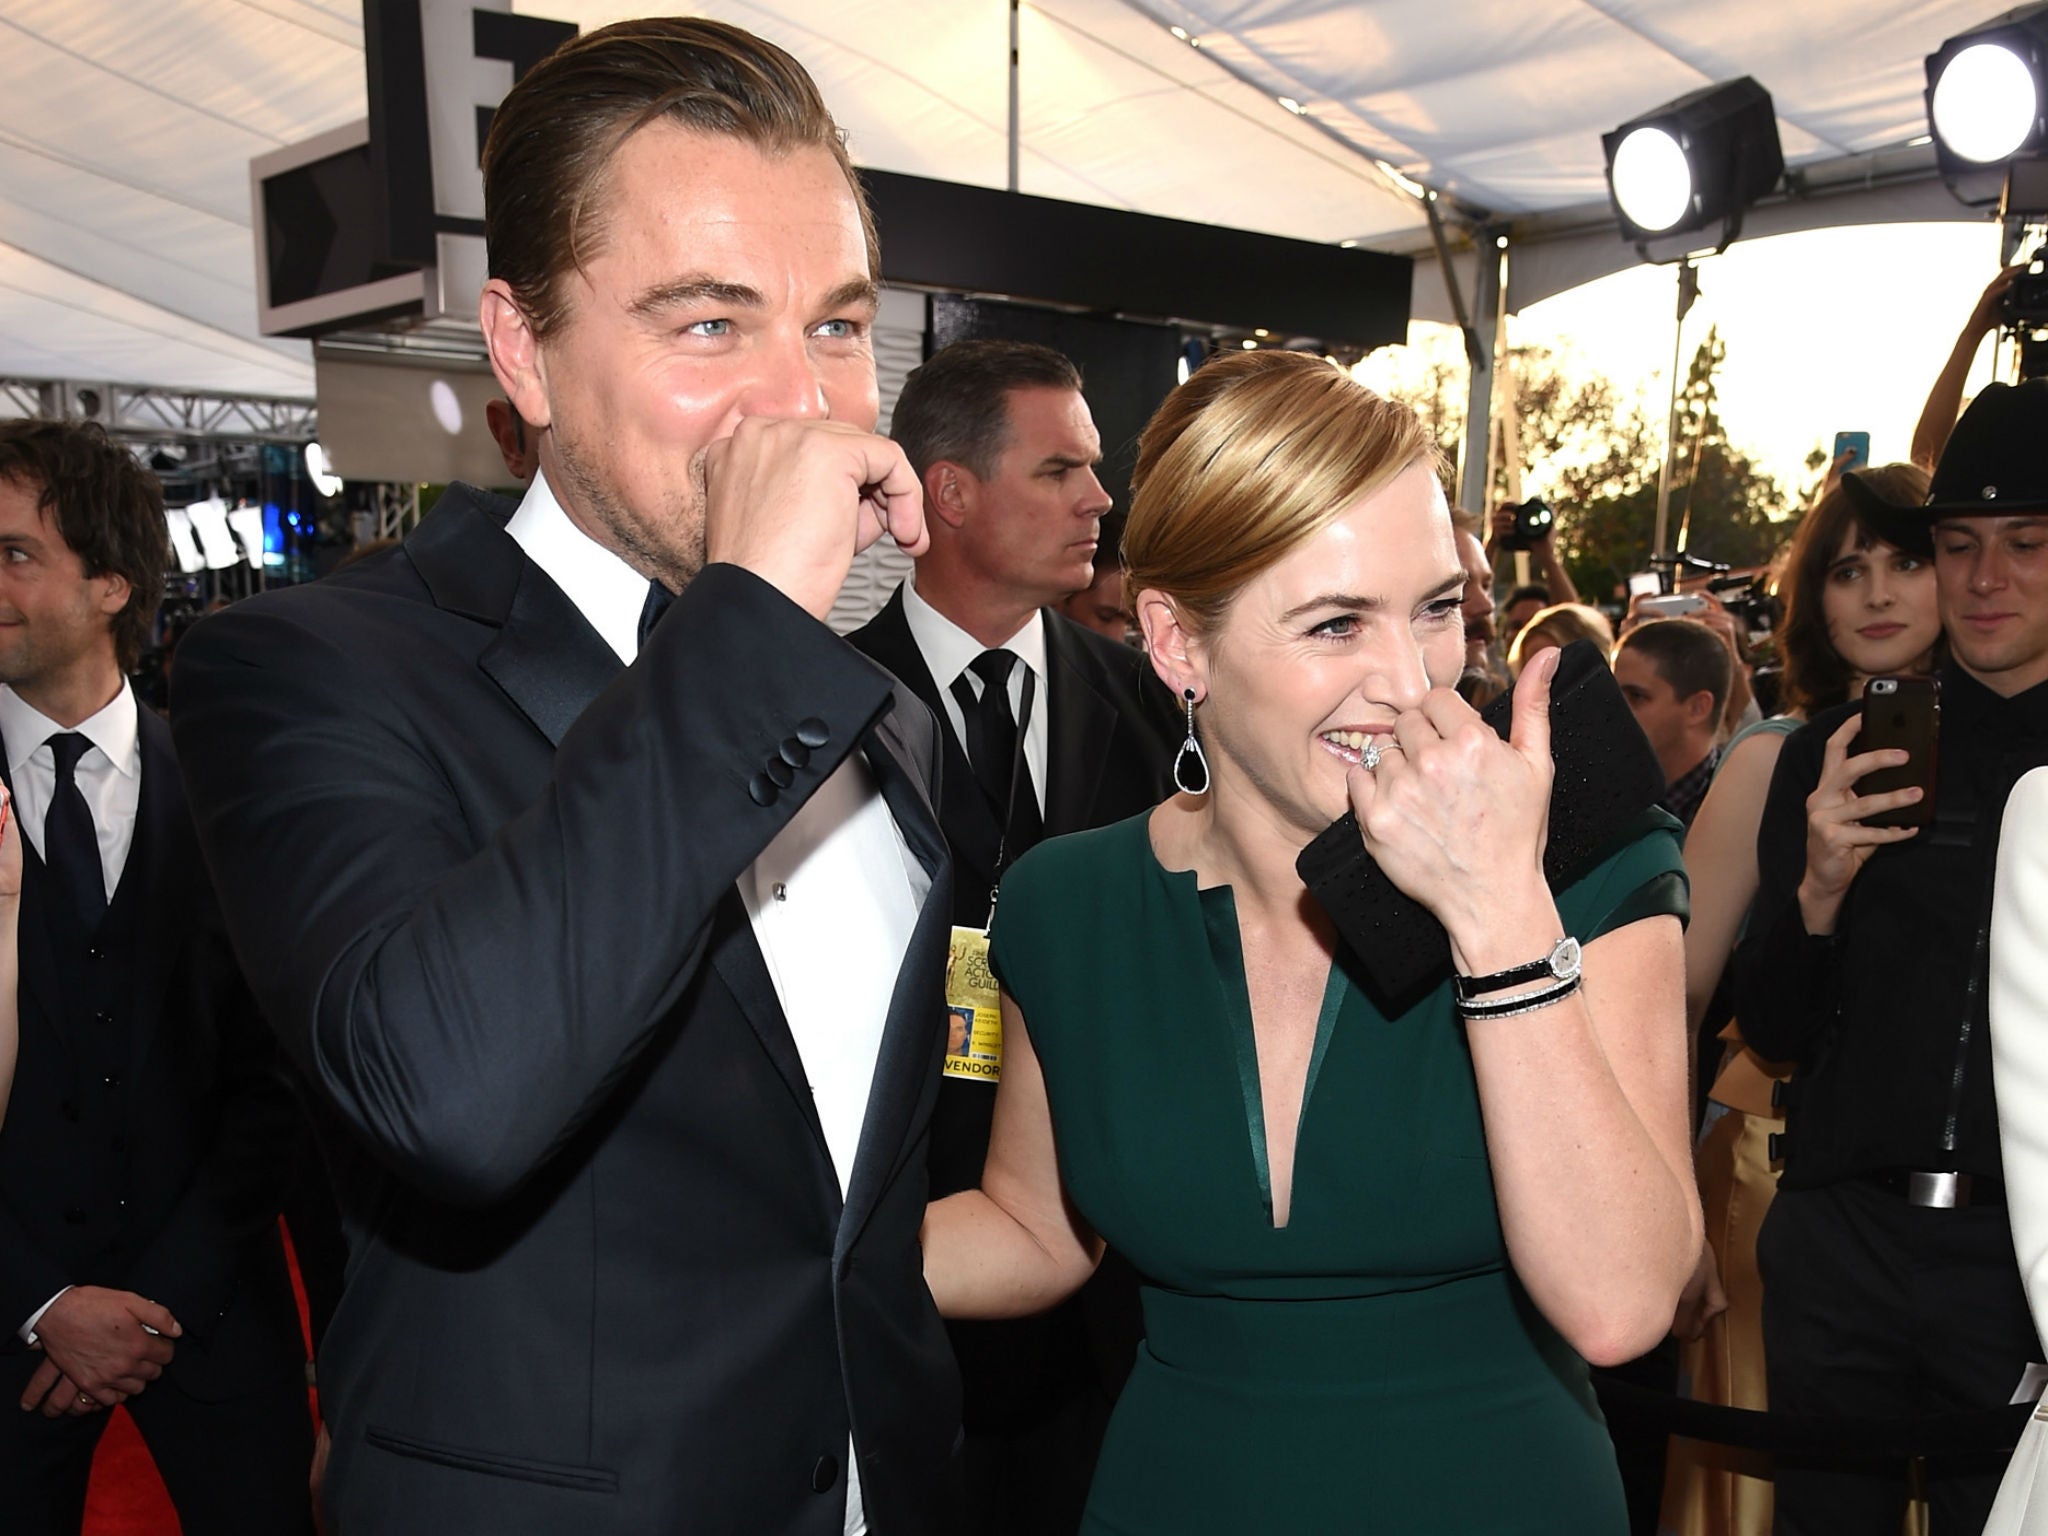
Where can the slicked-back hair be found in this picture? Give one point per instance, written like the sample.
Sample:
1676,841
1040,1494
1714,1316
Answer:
548,158
955,407
1687,655
106,507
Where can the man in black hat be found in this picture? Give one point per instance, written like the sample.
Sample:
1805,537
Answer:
1890,1285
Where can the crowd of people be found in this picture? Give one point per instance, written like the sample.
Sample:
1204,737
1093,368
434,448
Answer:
910,1082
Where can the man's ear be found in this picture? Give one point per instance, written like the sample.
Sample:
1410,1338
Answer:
1700,709
515,353
114,592
1175,650
949,492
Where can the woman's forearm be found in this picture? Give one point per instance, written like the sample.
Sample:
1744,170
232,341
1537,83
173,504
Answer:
1584,1106
982,1262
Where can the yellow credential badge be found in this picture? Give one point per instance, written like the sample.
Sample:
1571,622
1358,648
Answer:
974,1017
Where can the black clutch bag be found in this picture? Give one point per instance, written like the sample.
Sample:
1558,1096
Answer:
1606,778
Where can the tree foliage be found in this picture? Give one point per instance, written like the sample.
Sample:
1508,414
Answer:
1591,451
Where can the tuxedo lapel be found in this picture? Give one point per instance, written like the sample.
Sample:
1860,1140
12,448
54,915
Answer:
545,656
736,956
908,1061
1080,724
971,828
152,869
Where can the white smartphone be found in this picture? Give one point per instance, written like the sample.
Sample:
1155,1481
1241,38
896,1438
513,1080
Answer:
1671,605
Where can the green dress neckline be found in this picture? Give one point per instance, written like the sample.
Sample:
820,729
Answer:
1217,905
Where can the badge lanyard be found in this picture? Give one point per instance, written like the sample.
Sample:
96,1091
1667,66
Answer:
1010,806
974,1018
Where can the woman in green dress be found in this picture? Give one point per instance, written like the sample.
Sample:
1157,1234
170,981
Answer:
1377,1251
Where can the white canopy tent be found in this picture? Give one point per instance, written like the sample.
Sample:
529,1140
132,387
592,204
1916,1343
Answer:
128,127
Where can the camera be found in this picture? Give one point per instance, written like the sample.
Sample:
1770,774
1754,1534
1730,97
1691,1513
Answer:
1533,522
2025,303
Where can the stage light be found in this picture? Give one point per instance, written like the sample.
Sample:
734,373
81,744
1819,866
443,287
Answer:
321,471
1983,103
1652,182
1987,103
1694,163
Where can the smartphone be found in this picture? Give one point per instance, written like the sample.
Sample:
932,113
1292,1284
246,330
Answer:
1671,605
1856,443
1901,712
1645,584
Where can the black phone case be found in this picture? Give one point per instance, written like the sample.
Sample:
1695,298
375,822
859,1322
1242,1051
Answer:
1606,778
1909,720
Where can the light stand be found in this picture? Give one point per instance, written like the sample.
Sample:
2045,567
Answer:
1688,291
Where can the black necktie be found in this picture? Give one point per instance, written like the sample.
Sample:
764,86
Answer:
993,742
658,599
71,848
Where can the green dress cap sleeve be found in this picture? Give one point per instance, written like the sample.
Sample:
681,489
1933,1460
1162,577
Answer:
1642,876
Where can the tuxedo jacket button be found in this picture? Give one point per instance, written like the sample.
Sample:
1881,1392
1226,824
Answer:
795,753
812,732
781,773
825,1474
761,790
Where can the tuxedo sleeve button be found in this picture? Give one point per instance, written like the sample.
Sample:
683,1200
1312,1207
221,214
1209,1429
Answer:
779,771
761,790
812,732
794,753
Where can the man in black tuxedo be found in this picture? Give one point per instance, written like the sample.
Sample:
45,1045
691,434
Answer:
610,950
1005,449
139,1252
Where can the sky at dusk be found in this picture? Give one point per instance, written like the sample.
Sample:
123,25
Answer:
1829,330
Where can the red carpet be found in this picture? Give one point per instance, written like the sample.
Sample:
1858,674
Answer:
126,1497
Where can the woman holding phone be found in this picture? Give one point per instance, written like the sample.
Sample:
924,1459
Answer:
1378,1247
1856,606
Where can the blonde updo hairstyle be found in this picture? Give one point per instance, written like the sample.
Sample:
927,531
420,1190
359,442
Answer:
1255,453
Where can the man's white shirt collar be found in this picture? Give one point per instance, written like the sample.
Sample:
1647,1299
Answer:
606,591
115,730
948,650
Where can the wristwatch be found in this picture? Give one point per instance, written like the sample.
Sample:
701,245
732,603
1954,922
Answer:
1561,964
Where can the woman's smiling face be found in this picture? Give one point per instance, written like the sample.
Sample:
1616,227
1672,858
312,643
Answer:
1324,649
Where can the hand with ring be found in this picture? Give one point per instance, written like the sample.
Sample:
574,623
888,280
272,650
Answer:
1457,817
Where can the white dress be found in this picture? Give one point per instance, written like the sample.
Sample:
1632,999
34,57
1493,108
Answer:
2019,1056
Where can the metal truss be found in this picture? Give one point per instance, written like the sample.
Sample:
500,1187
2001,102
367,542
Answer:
398,510
129,410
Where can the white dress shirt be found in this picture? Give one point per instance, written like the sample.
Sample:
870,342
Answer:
832,899
948,652
109,775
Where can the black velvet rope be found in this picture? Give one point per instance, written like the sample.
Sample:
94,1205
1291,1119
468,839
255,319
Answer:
1978,1432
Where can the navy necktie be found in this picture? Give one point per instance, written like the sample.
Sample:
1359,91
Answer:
71,847
658,599
993,741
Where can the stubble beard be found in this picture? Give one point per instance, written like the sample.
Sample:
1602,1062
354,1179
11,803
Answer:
669,548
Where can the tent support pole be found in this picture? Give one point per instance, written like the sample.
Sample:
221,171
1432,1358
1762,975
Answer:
1482,337
1014,131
